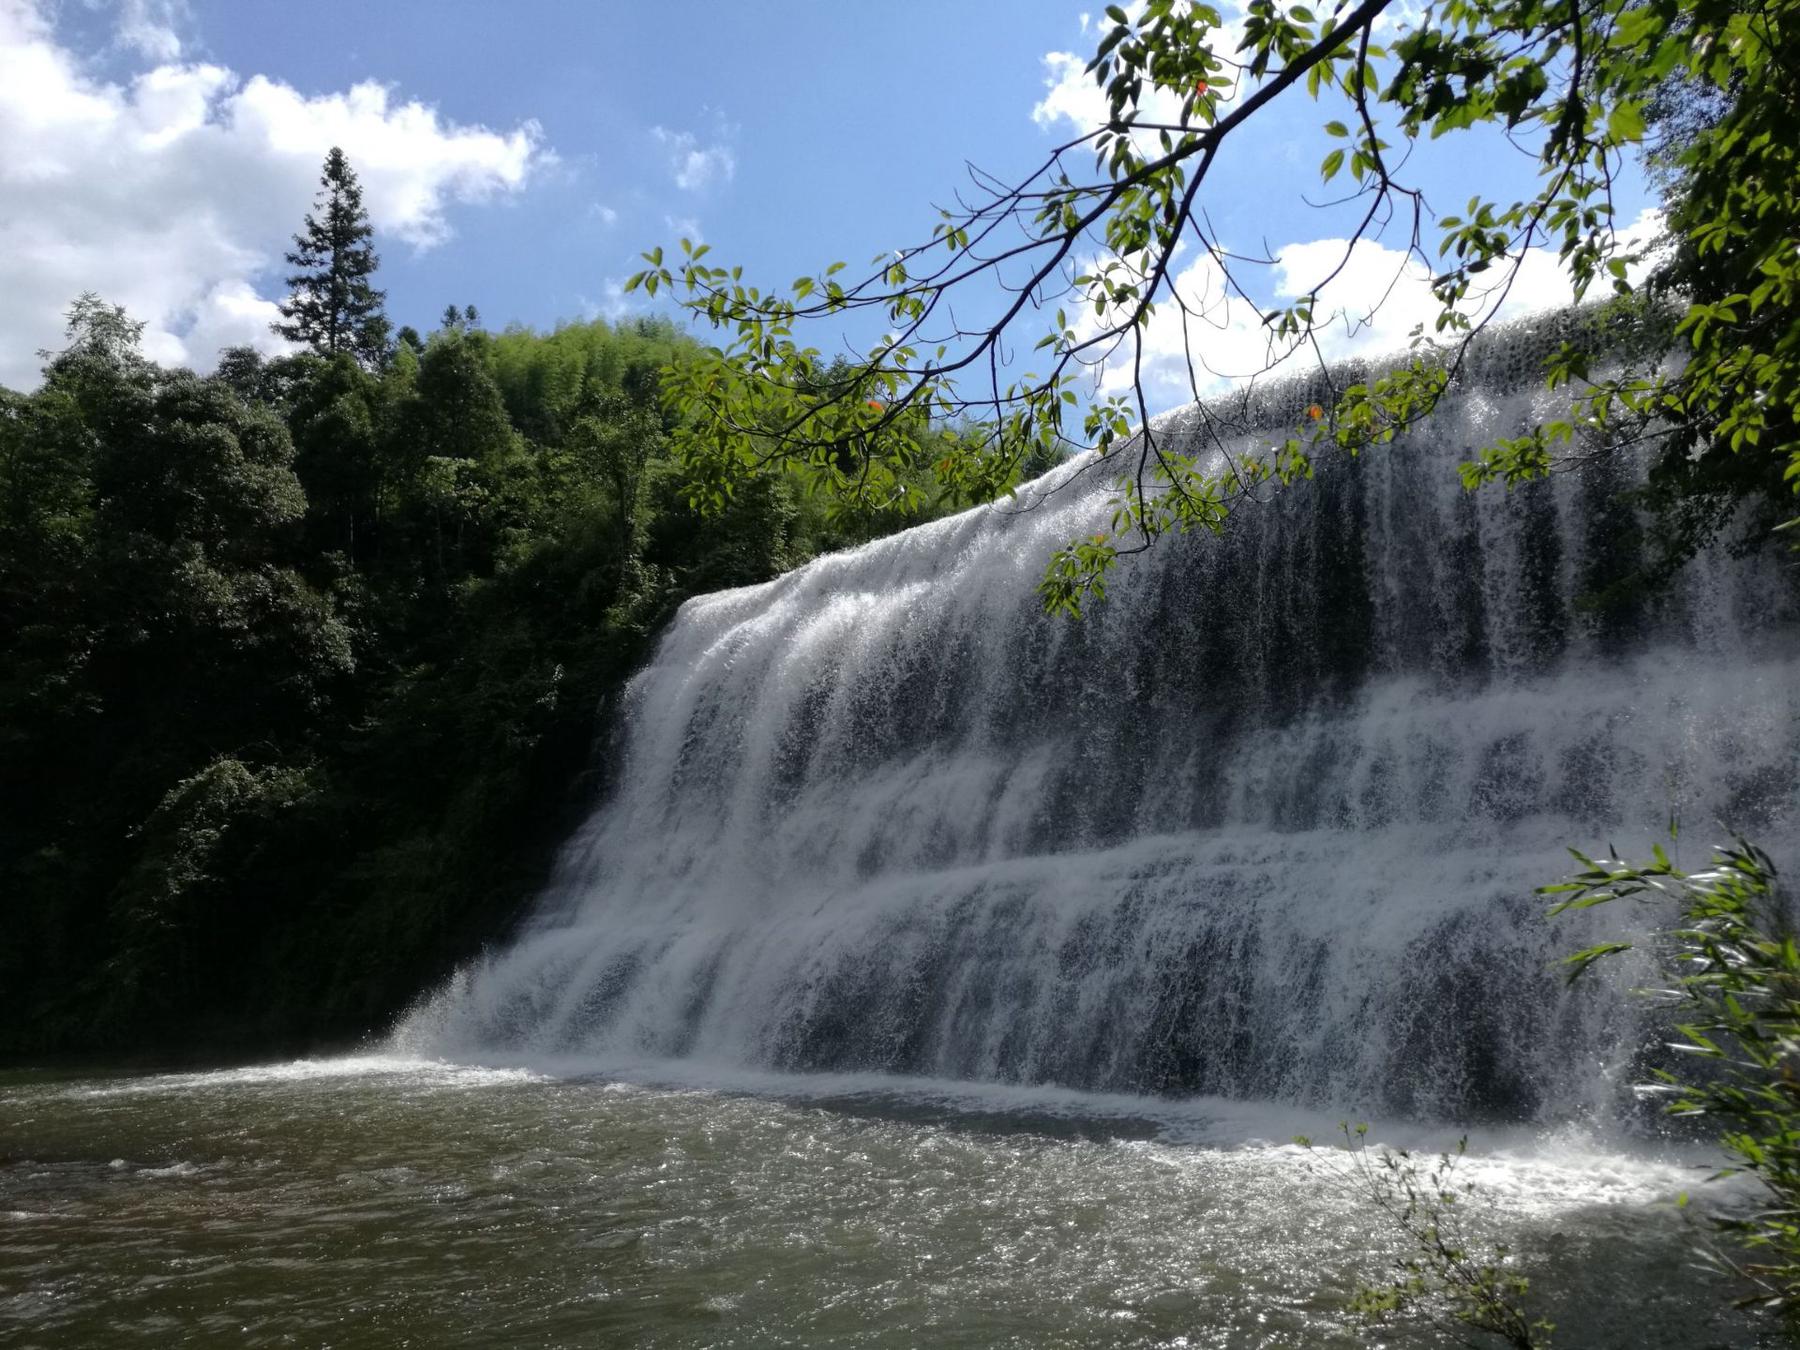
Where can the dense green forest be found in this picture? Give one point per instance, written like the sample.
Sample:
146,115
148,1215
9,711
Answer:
300,662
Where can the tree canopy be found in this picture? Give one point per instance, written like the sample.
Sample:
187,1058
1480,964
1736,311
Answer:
1709,87
299,662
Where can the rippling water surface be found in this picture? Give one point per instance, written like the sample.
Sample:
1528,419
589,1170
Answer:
385,1202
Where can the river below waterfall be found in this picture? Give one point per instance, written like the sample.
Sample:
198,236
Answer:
394,1202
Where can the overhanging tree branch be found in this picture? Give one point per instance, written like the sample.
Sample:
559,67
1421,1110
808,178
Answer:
1576,72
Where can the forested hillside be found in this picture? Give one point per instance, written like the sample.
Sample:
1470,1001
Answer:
300,663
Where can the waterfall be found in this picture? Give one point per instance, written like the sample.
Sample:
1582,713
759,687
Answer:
1265,824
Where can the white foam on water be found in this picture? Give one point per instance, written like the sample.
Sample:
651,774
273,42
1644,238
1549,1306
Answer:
434,1072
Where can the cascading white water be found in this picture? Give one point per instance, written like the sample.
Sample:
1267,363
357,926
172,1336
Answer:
1265,824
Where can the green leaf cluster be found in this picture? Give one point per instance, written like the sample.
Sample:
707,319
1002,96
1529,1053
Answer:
1730,963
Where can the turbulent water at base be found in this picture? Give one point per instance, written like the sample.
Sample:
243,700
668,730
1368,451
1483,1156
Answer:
379,1203
1265,825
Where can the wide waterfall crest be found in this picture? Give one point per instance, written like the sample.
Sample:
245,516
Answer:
1265,824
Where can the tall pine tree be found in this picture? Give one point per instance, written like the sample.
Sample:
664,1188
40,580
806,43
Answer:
332,307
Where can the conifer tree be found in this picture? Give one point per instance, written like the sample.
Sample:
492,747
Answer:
332,307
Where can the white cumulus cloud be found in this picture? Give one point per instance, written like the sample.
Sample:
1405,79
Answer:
1369,299
694,166
150,27
685,227
177,192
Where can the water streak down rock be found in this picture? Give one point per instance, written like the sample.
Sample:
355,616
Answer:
1266,824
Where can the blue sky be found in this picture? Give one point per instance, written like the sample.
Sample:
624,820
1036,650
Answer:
835,119
520,156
